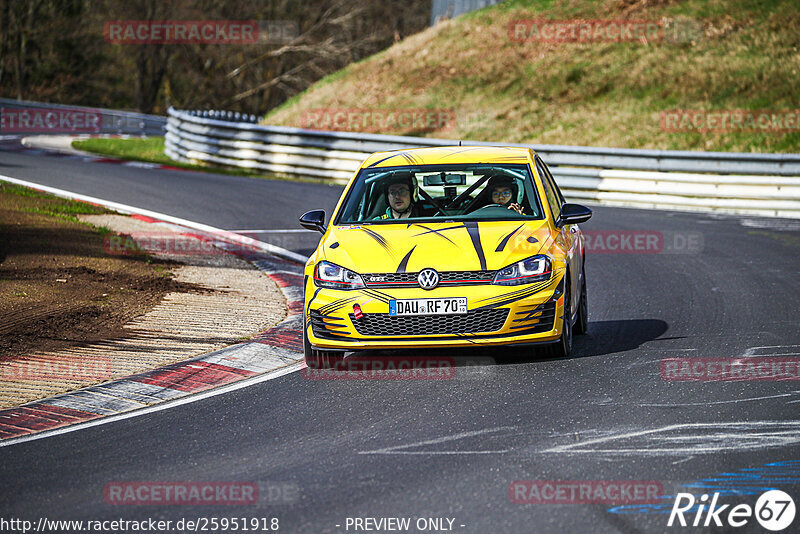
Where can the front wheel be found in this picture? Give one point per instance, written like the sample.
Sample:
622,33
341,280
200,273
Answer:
563,346
582,324
318,359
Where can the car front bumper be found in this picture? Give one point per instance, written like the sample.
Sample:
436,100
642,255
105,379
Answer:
497,315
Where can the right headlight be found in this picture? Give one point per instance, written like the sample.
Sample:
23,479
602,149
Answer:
533,269
332,276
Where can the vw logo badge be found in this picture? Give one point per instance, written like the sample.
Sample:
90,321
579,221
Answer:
428,279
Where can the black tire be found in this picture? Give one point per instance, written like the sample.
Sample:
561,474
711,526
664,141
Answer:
318,359
563,346
582,323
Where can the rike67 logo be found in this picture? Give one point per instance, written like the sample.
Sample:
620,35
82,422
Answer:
774,511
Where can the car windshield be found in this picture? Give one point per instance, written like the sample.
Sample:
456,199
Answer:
441,192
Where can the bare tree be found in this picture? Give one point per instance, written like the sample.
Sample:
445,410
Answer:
5,28
55,50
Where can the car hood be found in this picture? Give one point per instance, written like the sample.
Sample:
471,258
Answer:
454,246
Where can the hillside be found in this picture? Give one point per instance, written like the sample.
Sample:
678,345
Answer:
487,83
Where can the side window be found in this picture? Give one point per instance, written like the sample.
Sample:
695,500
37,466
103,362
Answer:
553,183
549,191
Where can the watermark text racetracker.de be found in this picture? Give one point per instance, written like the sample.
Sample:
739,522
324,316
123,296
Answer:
170,243
180,493
49,120
383,120
190,493
585,491
627,242
605,30
84,368
165,32
642,242
730,121
759,368
360,367
191,244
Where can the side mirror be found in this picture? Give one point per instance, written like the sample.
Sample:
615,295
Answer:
314,220
574,214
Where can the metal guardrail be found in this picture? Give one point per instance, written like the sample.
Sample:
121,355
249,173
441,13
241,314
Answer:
46,119
763,184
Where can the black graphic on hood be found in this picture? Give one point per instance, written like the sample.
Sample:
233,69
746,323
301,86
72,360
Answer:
404,262
379,238
475,235
438,231
504,241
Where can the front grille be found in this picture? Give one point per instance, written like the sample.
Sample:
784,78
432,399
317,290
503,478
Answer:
448,278
479,321
466,276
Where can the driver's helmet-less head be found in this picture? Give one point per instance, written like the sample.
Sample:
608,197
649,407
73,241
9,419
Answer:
402,178
504,180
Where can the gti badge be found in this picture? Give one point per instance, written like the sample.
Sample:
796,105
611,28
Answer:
428,279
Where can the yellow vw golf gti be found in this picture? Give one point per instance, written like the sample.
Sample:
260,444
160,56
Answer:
446,247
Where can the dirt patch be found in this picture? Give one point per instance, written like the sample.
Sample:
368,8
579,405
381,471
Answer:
73,312
58,287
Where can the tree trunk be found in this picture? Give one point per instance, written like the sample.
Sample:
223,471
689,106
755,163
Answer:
151,65
5,28
22,50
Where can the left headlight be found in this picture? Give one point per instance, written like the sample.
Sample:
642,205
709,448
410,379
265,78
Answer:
330,275
534,269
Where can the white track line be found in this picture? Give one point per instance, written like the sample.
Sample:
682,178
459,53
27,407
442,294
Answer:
156,407
278,251
124,208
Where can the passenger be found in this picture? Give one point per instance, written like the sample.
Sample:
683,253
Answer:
504,191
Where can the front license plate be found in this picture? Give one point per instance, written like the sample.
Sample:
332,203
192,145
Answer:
449,306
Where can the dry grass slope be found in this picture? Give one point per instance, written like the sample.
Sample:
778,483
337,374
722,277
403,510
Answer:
746,56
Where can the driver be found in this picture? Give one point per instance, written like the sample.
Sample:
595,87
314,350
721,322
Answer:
504,192
402,196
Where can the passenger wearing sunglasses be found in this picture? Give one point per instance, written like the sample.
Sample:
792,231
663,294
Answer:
504,191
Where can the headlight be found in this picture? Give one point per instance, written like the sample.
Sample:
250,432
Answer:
330,275
533,269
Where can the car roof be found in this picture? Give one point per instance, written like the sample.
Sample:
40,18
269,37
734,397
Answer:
448,154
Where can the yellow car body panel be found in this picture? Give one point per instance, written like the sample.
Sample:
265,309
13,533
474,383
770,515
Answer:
373,250
455,155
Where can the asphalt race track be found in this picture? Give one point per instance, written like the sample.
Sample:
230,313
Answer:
323,451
